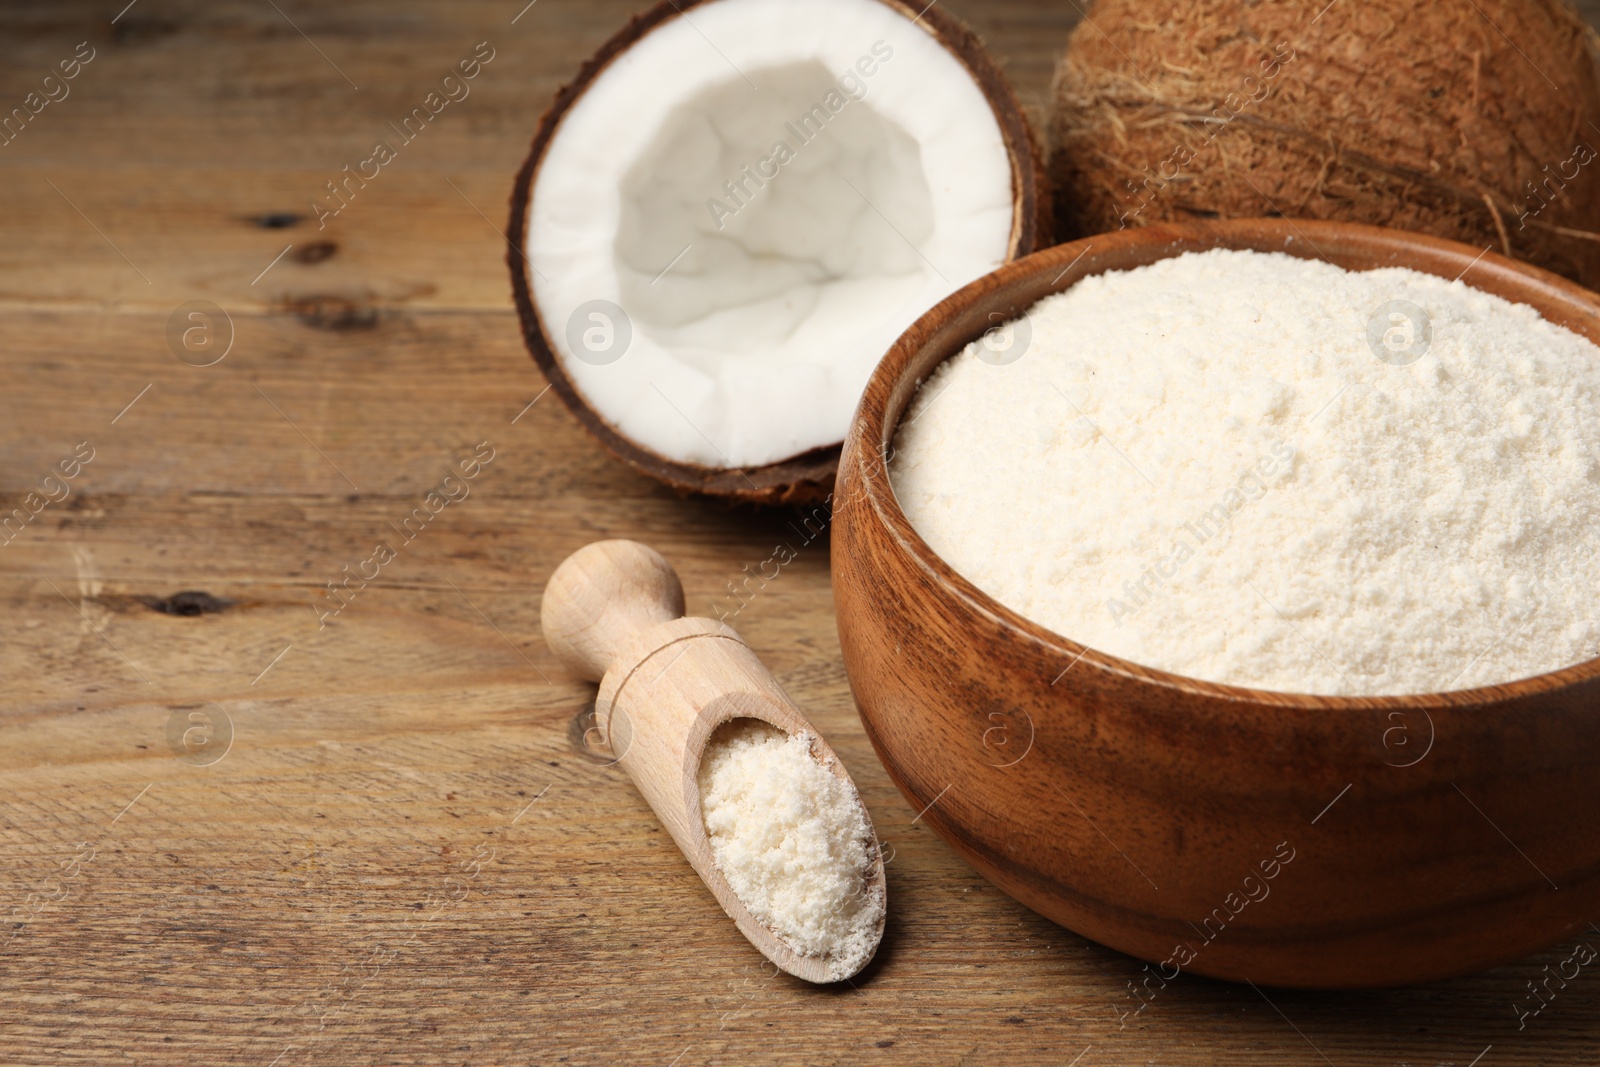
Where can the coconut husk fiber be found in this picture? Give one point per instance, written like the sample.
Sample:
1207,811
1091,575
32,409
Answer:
1475,120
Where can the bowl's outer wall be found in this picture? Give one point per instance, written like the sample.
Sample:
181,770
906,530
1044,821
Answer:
1277,838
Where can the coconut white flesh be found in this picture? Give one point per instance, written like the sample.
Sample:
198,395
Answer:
755,326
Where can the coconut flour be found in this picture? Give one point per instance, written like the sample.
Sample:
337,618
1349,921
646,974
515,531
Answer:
792,840
1272,472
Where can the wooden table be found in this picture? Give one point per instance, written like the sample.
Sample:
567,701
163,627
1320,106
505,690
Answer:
404,854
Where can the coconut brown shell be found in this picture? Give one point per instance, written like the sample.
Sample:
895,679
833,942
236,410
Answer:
1466,119
807,478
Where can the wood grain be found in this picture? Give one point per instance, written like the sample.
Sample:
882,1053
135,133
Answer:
318,895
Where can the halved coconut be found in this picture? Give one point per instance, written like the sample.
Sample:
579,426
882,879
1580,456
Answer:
738,206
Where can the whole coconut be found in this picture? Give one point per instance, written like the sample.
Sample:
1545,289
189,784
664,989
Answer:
1476,120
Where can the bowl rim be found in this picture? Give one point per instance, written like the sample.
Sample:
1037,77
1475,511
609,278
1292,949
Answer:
1078,259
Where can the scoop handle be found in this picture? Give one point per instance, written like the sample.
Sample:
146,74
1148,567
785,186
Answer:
600,596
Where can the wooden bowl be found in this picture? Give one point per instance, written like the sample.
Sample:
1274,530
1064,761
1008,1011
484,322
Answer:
1279,838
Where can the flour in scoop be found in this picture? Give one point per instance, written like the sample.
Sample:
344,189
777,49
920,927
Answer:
793,841
1272,472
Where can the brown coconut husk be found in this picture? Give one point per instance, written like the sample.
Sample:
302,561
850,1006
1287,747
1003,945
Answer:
1474,120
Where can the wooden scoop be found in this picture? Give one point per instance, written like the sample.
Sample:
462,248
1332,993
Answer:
613,613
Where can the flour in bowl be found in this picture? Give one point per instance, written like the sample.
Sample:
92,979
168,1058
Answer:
1268,471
